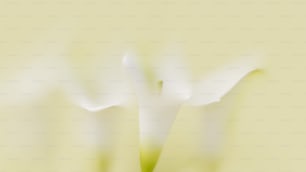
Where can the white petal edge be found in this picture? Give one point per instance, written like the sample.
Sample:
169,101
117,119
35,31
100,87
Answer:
212,88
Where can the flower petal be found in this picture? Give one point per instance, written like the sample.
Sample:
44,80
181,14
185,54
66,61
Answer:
157,113
137,75
214,87
174,76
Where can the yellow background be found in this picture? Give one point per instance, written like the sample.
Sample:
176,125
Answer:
269,128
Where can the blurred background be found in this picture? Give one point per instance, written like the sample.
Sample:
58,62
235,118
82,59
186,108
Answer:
41,129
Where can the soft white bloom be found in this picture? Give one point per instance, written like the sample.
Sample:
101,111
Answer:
158,109
95,122
49,110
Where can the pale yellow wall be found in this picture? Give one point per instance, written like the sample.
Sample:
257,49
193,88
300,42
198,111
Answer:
268,132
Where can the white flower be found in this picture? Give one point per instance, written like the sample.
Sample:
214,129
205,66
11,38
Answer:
50,110
158,108
91,120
